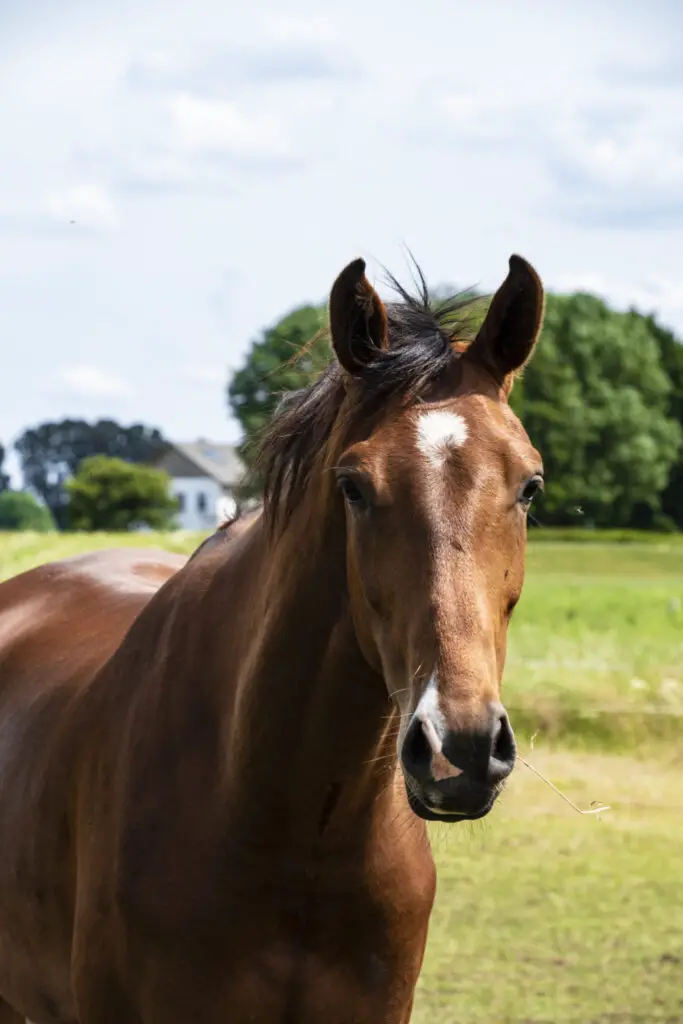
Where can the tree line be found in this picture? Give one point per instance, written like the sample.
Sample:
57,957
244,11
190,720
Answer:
87,476
602,400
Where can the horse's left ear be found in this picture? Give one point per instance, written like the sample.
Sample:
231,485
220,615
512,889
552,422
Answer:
358,319
507,337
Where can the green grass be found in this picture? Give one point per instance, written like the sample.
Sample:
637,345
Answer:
22,551
596,644
546,916
575,535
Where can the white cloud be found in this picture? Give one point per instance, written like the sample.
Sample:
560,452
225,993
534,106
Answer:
87,381
283,145
637,144
478,116
85,205
294,31
220,126
663,295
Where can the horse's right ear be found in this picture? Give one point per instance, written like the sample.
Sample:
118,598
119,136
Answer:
358,319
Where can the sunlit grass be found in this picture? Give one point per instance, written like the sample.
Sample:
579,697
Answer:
596,643
546,916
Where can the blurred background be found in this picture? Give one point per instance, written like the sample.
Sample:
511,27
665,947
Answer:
179,187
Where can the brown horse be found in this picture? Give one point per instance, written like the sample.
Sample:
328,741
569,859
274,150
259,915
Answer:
215,775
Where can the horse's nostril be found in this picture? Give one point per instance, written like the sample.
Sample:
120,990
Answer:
416,752
503,747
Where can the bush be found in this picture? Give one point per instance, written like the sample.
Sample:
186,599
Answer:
19,510
110,494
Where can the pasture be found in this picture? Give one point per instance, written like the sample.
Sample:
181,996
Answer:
543,915
546,917
596,644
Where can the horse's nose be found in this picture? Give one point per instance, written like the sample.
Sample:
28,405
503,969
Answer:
485,755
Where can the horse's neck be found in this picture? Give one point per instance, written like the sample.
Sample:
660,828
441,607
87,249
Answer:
311,728
257,744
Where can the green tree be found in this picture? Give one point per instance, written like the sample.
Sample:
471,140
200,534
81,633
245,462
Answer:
596,401
4,479
19,510
51,453
671,356
276,365
110,494
602,399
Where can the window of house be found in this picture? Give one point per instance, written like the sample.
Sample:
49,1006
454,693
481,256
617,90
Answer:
201,502
181,501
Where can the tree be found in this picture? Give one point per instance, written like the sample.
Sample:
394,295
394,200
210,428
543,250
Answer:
4,479
274,366
51,453
671,357
596,401
110,494
19,510
602,399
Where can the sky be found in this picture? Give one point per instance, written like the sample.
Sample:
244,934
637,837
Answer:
175,178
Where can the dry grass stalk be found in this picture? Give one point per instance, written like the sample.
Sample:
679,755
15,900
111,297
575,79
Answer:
595,808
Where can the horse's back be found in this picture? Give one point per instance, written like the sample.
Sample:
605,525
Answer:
59,624
71,615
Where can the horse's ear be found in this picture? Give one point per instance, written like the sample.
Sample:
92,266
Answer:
358,319
507,337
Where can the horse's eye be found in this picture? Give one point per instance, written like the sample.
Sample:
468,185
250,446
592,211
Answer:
530,490
352,492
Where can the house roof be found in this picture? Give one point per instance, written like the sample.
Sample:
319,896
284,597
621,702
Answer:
218,461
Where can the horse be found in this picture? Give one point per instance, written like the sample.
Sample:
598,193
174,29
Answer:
216,775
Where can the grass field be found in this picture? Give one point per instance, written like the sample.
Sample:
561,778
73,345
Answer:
596,644
544,916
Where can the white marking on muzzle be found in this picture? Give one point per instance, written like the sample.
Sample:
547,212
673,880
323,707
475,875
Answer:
429,714
438,433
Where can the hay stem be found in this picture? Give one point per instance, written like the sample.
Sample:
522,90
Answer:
591,810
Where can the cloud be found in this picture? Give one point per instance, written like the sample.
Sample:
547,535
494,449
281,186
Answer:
287,29
206,147
216,72
663,295
476,117
607,149
209,145
221,127
84,209
622,162
283,50
86,206
85,380
203,112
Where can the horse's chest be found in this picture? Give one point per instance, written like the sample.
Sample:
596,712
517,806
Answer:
345,956
283,983
340,953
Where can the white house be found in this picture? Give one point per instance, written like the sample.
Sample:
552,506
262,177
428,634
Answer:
203,478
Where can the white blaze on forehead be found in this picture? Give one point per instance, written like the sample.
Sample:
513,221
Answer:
439,432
